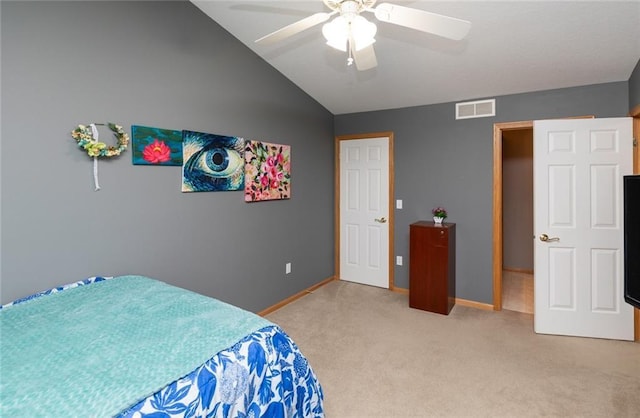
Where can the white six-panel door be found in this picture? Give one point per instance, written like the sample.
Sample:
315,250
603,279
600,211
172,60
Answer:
578,222
364,211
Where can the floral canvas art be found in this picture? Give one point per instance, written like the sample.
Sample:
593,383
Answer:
156,146
267,171
211,162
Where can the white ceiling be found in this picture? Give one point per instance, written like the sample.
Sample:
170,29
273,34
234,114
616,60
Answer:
513,47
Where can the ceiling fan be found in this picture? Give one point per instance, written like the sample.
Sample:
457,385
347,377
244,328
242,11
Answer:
354,34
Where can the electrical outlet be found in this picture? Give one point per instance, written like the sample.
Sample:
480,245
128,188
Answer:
287,268
399,260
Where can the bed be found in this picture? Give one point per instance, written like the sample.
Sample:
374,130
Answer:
132,346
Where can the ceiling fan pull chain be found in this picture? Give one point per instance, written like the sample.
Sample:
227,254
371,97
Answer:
350,47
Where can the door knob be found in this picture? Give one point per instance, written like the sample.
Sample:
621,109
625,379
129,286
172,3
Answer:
381,220
546,238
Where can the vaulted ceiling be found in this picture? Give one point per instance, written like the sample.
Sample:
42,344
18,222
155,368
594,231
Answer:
512,47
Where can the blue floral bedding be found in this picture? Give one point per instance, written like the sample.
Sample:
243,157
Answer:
264,374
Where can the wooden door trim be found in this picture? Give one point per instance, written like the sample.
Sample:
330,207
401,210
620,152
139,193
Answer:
635,114
336,199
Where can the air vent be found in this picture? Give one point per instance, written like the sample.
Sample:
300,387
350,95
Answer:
477,109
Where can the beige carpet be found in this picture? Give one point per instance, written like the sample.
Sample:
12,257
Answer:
376,357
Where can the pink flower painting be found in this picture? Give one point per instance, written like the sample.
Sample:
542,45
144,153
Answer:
156,146
267,171
156,152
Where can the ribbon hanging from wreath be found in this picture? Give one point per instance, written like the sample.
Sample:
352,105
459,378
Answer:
87,139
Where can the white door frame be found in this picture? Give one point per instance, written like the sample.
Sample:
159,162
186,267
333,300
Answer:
337,249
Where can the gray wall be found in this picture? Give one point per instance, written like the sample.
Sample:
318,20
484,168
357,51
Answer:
162,64
634,87
441,161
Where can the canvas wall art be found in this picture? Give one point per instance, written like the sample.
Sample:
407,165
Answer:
212,162
156,146
267,171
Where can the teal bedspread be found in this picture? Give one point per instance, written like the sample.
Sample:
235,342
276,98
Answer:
98,349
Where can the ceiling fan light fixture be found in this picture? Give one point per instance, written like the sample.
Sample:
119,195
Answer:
336,33
340,45
363,32
341,29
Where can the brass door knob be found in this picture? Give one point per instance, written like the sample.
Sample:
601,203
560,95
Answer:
546,238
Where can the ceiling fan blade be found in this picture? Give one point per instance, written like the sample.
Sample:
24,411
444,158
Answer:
445,26
365,58
295,27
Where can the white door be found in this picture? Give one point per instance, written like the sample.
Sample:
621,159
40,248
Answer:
578,226
364,211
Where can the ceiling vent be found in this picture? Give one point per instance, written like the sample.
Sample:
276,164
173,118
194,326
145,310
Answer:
477,109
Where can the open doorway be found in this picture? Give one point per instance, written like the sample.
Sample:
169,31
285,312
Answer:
517,221
497,265
514,132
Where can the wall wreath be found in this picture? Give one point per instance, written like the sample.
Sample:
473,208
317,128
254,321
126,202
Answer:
87,139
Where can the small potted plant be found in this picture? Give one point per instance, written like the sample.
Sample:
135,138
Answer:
439,214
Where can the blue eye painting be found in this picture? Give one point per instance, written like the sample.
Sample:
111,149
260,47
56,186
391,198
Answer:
212,162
